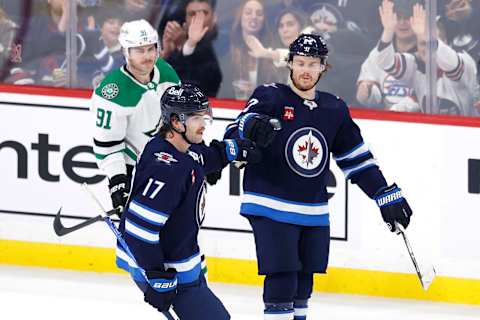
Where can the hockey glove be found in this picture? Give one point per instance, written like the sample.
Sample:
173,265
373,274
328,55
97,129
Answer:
119,187
213,177
242,150
259,128
393,206
162,289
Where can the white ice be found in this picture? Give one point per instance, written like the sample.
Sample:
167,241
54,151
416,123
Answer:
37,293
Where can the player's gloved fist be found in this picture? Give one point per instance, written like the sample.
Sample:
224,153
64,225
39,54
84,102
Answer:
393,206
242,150
162,289
119,187
259,128
213,177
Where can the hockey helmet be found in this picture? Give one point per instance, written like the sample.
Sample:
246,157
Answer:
137,33
310,45
183,100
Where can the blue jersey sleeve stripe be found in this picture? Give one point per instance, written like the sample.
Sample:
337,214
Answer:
363,166
141,233
154,217
353,153
351,162
285,216
306,204
188,270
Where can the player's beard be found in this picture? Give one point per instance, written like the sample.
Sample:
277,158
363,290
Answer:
302,87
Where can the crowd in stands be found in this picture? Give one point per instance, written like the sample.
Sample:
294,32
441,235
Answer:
377,47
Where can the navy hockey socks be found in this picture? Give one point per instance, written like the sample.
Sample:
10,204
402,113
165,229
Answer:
278,311
300,308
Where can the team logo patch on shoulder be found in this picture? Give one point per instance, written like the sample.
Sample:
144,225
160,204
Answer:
306,152
110,91
165,157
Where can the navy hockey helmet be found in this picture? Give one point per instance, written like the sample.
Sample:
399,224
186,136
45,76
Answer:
310,45
183,100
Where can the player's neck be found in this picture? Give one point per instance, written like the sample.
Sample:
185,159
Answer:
139,76
178,142
308,94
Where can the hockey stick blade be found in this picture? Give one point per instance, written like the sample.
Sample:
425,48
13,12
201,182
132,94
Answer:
425,276
61,230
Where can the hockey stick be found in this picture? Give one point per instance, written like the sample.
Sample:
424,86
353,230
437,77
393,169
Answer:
170,314
426,278
61,230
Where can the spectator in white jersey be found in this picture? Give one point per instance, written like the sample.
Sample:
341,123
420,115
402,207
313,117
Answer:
379,89
456,76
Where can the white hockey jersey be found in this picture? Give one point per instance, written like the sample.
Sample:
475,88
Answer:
127,114
457,85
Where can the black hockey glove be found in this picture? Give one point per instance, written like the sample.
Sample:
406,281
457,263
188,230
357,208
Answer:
162,289
213,177
119,187
393,206
259,128
242,150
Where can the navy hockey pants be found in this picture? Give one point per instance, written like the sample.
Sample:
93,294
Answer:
283,247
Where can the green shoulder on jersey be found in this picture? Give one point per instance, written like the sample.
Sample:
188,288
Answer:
121,89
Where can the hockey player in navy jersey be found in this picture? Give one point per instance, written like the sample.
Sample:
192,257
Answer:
166,206
285,196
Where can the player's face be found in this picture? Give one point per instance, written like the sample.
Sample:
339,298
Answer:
195,125
305,72
288,29
252,17
141,59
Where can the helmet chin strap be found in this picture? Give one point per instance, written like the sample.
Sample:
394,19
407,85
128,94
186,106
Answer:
183,134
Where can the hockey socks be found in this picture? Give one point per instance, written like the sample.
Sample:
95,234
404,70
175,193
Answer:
300,308
278,311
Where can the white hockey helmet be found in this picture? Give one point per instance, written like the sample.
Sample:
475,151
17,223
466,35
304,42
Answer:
137,33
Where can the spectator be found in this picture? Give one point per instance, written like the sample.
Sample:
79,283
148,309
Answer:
456,82
348,48
104,52
10,61
242,71
289,25
379,89
196,61
460,20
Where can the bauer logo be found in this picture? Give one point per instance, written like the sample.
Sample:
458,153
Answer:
165,285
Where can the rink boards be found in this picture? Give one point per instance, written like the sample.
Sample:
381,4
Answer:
45,152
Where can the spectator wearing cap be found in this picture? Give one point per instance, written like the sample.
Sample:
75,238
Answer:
456,75
348,48
375,87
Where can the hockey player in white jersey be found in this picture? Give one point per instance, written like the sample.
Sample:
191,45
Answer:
457,84
125,106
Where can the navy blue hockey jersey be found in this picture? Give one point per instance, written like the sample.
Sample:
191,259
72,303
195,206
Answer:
289,185
165,210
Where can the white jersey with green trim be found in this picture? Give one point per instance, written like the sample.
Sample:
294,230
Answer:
127,114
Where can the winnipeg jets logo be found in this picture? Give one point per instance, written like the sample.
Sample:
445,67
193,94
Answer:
165,157
306,152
